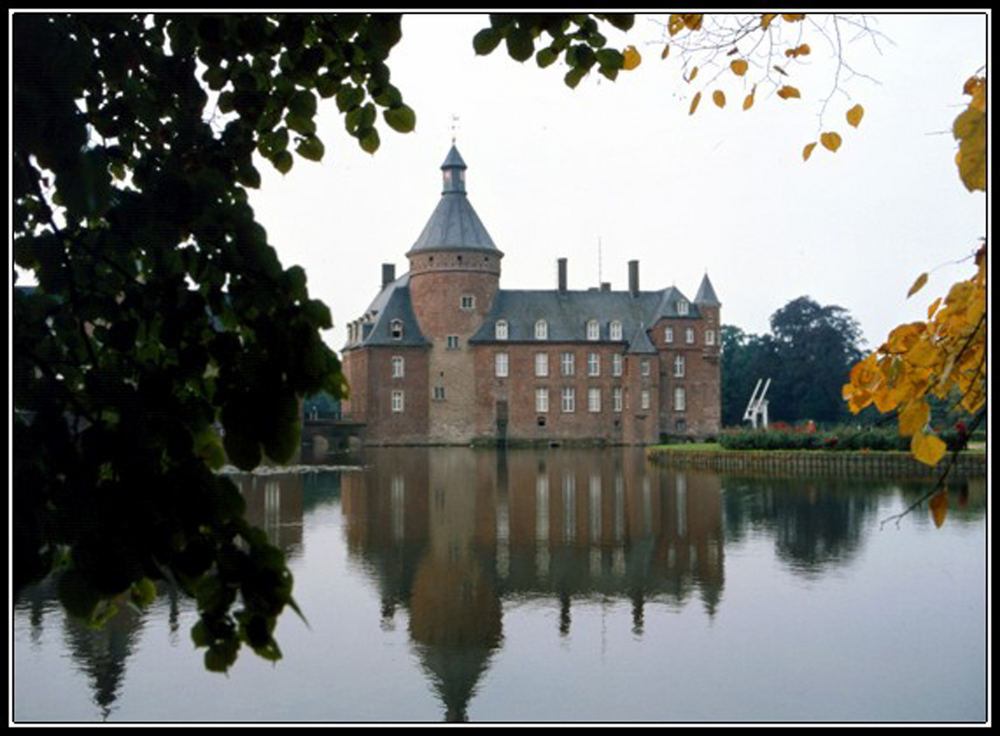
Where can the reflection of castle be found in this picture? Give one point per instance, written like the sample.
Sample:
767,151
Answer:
274,503
450,531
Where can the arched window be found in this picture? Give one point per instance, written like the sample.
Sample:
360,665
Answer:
616,330
541,330
593,330
396,329
500,329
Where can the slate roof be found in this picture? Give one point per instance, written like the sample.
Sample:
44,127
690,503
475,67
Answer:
454,224
706,294
392,303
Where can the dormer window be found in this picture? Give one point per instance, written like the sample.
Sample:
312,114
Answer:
616,330
541,330
396,329
593,330
682,307
500,329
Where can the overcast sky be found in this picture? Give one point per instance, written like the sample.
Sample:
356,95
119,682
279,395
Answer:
554,171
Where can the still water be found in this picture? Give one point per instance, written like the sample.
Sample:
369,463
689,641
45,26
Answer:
559,585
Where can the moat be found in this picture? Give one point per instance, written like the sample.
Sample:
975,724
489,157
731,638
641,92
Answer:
559,585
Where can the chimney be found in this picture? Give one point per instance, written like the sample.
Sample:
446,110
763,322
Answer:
562,274
605,286
388,274
633,277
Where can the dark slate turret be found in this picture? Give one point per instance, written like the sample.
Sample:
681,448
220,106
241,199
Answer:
454,224
706,294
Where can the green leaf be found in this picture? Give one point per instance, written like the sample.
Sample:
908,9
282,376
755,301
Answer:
545,57
369,140
311,148
402,119
520,45
486,40
282,161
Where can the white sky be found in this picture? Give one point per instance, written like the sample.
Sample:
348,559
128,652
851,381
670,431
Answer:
552,170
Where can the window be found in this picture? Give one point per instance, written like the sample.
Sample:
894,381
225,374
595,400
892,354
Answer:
501,364
680,399
397,402
689,335
593,330
541,330
593,364
710,337
682,307
398,365
453,342
616,330
679,366
566,364
438,393
468,301
645,366
568,400
644,398
616,398
593,399
668,334
396,329
616,364
541,364
500,329
541,400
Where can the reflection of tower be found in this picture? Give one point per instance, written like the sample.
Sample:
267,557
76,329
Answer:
454,606
274,503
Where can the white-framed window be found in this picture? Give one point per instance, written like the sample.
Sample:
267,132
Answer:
593,364
593,399
397,402
616,330
616,364
541,400
566,366
541,330
568,400
616,399
453,342
468,301
680,399
593,330
668,334
398,366
500,329
501,363
678,366
396,329
682,307
541,364
710,337
438,393
689,335
645,366
644,398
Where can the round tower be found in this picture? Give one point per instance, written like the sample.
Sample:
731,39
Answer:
454,265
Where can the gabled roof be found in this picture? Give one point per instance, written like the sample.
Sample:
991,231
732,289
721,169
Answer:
454,224
392,303
640,342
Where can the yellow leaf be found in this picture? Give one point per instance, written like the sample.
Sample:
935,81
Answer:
914,417
766,18
693,20
792,17
694,103
748,102
666,52
933,308
675,24
939,507
786,92
927,448
719,98
807,151
739,67
855,114
831,141
798,51
917,285
694,73
632,58
970,130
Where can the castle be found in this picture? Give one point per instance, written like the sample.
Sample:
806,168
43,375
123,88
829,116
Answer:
443,355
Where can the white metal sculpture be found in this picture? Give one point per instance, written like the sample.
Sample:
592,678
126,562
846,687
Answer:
757,407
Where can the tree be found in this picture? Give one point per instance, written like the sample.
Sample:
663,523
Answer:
161,312
746,358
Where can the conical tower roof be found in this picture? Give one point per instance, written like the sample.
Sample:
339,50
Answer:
706,294
454,224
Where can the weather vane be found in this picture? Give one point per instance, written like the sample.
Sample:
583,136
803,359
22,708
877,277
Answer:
454,127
